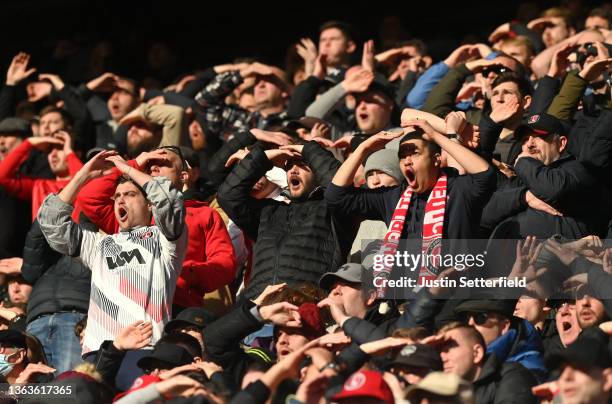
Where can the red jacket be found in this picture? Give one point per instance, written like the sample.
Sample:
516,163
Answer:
32,189
209,262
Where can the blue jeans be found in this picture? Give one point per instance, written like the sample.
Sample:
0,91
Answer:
56,334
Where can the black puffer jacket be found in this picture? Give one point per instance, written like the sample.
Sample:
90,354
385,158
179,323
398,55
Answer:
507,382
296,242
60,282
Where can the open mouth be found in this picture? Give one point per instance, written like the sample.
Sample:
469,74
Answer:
566,326
294,182
411,177
363,116
284,352
123,214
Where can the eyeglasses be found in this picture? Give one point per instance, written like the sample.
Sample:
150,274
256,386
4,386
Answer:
480,318
177,150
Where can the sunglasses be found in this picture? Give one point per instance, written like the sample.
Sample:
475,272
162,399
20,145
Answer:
480,318
177,150
496,70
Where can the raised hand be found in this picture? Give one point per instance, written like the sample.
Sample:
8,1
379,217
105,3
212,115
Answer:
145,158
503,112
382,346
98,165
378,141
428,131
280,157
18,70
239,155
105,83
278,138
38,90
499,33
66,139
526,256
177,386
368,60
269,290
320,66
31,370
593,69
461,55
135,336
335,340
320,130
337,310
560,62
11,266
477,66
344,142
358,82
455,122
119,162
538,24
54,79
44,142
283,314
307,51
565,255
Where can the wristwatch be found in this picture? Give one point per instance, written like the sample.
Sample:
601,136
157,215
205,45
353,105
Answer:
292,399
330,365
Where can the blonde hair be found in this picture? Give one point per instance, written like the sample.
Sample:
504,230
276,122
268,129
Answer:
89,369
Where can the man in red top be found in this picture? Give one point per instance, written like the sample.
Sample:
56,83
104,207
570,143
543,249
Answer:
209,262
62,160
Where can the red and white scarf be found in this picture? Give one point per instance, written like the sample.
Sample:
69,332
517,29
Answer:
433,228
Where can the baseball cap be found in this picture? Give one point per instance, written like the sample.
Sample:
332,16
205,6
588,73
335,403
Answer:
191,316
348,272
541,125
365,383
165,356
417,355
14,126
439,383
590,349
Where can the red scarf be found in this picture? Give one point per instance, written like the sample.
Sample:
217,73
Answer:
433,228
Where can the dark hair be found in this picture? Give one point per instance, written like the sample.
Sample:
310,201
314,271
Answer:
303,293
419,44
80,326
472,332
123,179
521,82
417,133
66,117
414,333
560,12
519,70
603,12
347,29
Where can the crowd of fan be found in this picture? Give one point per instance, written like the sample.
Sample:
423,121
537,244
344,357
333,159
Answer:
213,241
